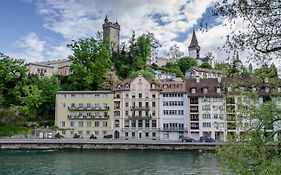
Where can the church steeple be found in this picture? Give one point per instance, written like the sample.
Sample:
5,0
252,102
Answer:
194,48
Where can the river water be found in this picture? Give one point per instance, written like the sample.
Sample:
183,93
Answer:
103,162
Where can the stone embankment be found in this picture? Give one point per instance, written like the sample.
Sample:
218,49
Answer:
46,144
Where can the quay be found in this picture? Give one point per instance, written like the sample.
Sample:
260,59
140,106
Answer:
60,144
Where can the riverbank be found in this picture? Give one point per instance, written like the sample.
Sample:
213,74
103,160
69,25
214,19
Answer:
46,144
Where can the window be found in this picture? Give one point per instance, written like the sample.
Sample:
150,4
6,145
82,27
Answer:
133,96
140,95
216,116
229,89
126,134
72,124
88,132
153,96
205,90
97,133
80,123
104,124
126,123
140,123
71,132
153,104
127,104
133,134
62,124
206,125
133,124
154,123
206,107
126,113
147,123
127,95
218,90
153,134
116,123
72,105
206,116
147,134
193,90
88,105
89,124
97,124
80,132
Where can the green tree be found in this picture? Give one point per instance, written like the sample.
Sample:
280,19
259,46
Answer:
261,30
12,73
266,72
185,63
206,65
171,67
254,152
90,63
143,51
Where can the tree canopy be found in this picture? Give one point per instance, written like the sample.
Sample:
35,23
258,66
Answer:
261,31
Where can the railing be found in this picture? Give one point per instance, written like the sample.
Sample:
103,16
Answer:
84,117
140,107
97,108
173,129
139,117
116,107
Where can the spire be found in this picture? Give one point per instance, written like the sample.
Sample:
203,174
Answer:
105,19
194,41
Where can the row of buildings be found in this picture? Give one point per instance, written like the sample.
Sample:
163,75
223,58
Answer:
143,109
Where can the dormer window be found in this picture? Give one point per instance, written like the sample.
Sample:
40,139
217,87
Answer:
127,86
218,90
205,90
193,90
229,89
152,86
118,86
267,89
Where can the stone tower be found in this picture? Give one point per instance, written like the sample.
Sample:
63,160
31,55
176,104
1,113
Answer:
194,48
111,33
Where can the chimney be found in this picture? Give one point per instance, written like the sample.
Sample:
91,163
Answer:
197,79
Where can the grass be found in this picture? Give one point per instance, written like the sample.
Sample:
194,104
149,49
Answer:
8,131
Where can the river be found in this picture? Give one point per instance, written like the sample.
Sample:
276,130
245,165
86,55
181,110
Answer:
107,162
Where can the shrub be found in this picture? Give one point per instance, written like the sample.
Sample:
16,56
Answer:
93,136
108,136
59,136
76,136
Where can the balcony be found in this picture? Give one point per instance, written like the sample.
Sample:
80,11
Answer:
96,108
136,117
84,117
116,107
173,129
139,108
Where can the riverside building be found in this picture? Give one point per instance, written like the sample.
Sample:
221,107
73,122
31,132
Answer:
84,113
173,110
136,109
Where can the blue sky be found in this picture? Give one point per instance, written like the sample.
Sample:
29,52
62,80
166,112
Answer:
38,30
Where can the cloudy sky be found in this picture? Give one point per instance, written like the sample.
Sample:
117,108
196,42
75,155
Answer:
38,30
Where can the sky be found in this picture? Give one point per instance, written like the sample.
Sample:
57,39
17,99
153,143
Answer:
39,30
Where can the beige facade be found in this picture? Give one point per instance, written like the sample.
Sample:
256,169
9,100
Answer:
84,113
136,109
40,69
49,68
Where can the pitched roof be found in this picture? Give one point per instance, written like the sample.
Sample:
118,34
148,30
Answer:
194,41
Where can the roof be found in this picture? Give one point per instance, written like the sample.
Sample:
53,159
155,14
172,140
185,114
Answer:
173,86
84,92
194,41
199,69
42,65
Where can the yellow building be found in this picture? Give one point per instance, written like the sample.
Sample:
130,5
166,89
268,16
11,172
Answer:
84,113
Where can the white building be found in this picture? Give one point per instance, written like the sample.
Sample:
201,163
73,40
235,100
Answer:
173,110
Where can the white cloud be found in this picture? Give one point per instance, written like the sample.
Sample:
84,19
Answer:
30,48
75,19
